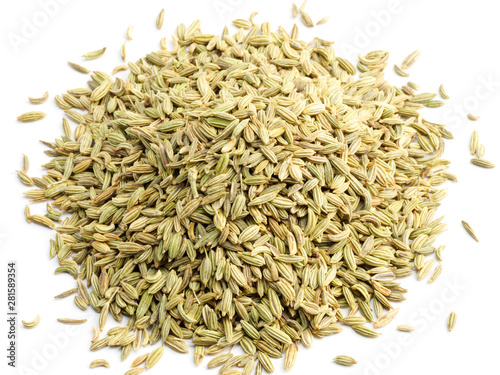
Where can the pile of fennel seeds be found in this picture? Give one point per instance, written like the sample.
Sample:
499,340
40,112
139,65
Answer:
243,189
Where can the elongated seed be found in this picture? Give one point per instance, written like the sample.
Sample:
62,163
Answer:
443,93
42,99
78,68
33,323
344,360
94,54
410,59
31,116
405,328
469,230
71,321
130,29
452,321
154,357
99,363
159,19
482,162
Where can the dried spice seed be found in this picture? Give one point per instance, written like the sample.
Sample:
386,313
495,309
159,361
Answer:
436,273
410,59
405,328
344,360
474,142
426,268
472,117
39,100
94,54
33,323
130,29
66,293
366,331
400,71
31,116
452,321
219,360
306,19
99,363
322,21
79,68
26,164
24,178
480,151
385,319
71,321
443,93
469,230
482,162
413,86
154,357
140,360
159,19
96,333
123,51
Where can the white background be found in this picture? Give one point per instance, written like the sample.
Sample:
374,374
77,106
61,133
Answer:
459,43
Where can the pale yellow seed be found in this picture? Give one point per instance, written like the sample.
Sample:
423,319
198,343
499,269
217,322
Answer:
437,271
39,100
400,71
130,29
119,68
159,19
78,68
33,323
154,357
474,142
123,51
472,117
323,21
31,116
386,318
140,360
405,328
303,6
99,363
443,93
410,59
452,321
42,220
27,213
344,360
94,54
26,163
96,332
469,230
71,321
306,19
483,163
